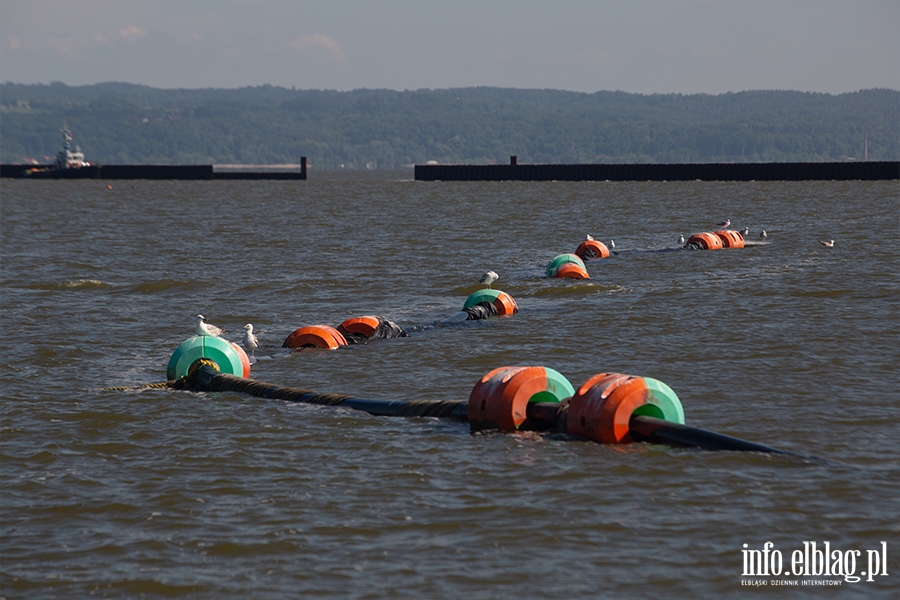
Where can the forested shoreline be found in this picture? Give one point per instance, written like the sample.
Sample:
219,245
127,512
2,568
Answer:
117,123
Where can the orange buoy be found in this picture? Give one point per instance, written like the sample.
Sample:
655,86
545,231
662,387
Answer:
602,408
319,336
364,326
500,398
706,241
245,360
560,260
505,304
592,249
571,271
731,238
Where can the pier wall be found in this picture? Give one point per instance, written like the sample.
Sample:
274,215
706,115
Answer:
662,172
27,171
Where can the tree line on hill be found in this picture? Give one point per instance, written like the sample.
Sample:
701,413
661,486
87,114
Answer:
117,123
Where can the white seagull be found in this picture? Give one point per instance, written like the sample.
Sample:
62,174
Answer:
488,278
763,234
612,244
588,238
745,231
681,240
828,243
251,342
204,328
724,223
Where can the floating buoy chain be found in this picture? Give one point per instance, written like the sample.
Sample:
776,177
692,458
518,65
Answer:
609,408
357,330
715,240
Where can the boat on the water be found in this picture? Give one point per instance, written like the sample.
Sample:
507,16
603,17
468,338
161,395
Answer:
70,164
66,158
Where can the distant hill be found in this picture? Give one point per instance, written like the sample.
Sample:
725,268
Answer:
124,123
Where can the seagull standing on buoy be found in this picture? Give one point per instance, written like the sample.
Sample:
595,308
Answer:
251,342
827,243
724,224
204,328
681,240
589,238
488,278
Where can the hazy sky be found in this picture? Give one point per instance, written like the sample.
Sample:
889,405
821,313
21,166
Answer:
644,46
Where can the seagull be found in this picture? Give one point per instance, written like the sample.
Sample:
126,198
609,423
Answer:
828,243
251,342
724,223
745,231
488,278
204,328
612,244
681,240
588,238
763,234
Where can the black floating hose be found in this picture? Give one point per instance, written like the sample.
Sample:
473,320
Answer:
650,429
207,379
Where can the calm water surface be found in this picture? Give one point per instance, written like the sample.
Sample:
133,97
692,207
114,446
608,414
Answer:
163,494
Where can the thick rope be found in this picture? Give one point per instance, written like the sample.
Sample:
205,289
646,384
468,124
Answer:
120,388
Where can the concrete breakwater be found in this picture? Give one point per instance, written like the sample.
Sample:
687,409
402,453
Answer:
826,171
29,171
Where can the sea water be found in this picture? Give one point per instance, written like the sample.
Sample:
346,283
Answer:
159,493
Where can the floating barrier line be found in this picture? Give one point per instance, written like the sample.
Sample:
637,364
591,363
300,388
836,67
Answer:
207,379
643,428
658,431
541,416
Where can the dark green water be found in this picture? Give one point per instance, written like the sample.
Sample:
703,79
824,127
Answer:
158,493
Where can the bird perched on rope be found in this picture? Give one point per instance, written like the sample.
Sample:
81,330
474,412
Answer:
745,231
724,223
204,328
250,341
763,234
488,278
827,243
